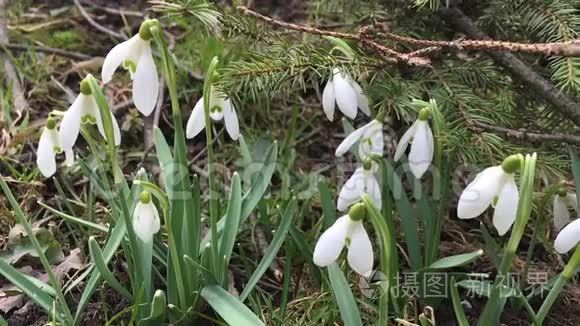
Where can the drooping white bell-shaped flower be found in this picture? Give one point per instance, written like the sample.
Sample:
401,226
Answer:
422,146
568,238
220,108
49,145
346,93
84,110
369,137
146,218
494,186
563,202
347,230
135,55
363,181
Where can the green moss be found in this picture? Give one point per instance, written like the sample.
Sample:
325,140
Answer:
70,39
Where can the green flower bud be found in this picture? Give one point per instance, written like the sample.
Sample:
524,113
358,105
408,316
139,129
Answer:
145,29
50,123
512,163
85,87
145,197
357,212
367,164
563,189
424,114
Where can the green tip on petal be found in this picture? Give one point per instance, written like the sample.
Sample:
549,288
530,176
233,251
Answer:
424,114
85,87
145,197
357,212
50,123
512,163
145,29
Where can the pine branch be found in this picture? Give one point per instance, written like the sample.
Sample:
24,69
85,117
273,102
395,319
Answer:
385,52
565,49
519,134
567,106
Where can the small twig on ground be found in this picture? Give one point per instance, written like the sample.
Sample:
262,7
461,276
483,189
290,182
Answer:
97,25
60,52
11,76
120,11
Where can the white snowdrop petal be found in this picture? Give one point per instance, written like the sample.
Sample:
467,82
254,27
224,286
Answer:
372,140
101,127
328,100
231,120
373,189
345,95
145,83
478,195
144,221
70,125
421,154
504,215
362,100
351,139
404,141
45,155
568,238
352,190
196,121
331,242
572,201
69,157
561,213
360,255
115,58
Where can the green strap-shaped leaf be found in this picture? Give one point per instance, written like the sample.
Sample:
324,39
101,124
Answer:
99,261
456,260
232,310
272,249
346,303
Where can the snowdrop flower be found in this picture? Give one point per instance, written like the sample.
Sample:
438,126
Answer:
563,201
146,218
135,56
494,186
220,108
347,230
422,147
363,181
370,139
568,238
84,110
347,94
48,146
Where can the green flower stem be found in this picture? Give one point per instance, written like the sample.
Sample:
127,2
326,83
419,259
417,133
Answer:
213,209
568,272
549,194
385,240
492,310
68,318
97,93
177,208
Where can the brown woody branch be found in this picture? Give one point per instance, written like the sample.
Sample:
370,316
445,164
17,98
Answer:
385,52
522,134
521,70
565,49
